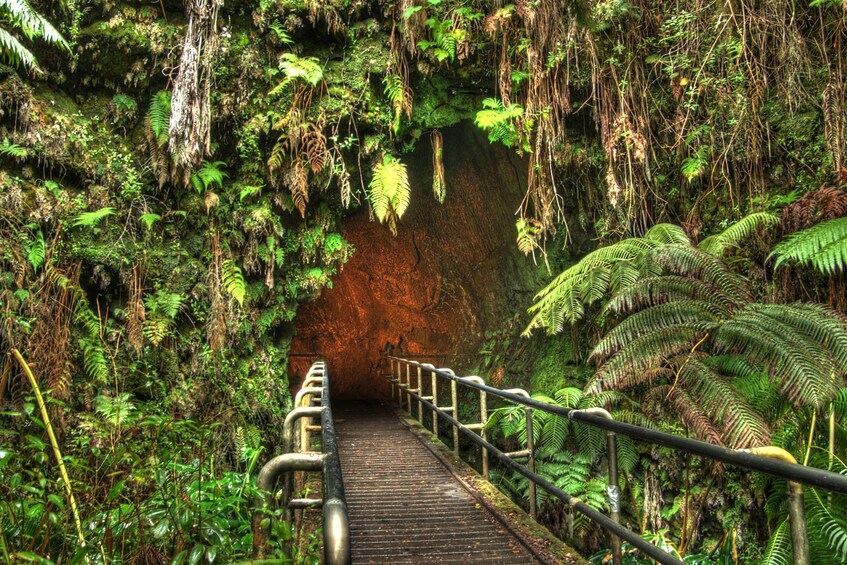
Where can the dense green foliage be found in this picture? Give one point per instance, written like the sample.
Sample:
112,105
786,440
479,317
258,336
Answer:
174,185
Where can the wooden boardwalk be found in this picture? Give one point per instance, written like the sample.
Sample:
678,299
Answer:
405,506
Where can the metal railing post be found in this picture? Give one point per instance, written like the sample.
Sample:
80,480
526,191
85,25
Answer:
613,490
409,389
483,419
336,521
399,390
420,401
434,403
483,412
454,394
796,505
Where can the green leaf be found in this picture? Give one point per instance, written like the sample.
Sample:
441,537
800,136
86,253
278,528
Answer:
233,281
13,150
90,219
36,251
149,219
196,554
823,246
389,191
411,11
159,116
249,191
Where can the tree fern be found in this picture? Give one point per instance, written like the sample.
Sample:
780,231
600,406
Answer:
733,235
696,308
233,281
21,15
568,294
823,246
389,191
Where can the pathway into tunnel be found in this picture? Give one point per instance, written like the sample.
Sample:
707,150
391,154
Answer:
451,272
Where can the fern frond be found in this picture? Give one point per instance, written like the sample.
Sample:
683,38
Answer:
33,24
742,426
692,414
94,359
667,234
159,116
778,550
690,262
566,292
801,378
823,246
625,368
13,150
499,120
653,291
37,250
233,281
733,235
528,234
208,176
14,52
90,219
389,191
678,312
623,274
828,519
568,397
307,69
149,219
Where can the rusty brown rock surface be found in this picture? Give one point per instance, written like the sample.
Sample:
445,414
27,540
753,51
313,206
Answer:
452,271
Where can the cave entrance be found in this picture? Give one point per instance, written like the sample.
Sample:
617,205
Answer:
451,273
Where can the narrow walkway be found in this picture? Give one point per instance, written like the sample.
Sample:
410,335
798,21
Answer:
404,505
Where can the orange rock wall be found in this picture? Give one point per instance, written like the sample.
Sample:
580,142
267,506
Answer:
451,273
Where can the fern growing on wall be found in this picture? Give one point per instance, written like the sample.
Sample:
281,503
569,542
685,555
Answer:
499,121
400,95
233,281
156,125
208,176
91,219
294,68
389,191
439,183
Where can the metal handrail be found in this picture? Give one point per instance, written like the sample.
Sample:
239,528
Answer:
297,457
772,461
